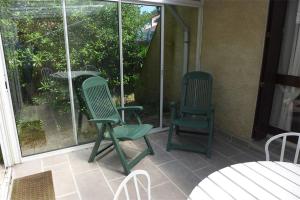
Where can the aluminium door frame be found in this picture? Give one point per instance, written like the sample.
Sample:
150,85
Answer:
12,143
9,140
69,67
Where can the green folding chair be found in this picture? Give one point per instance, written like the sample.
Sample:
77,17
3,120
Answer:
105,115
195,113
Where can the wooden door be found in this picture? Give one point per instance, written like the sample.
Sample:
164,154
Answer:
271,57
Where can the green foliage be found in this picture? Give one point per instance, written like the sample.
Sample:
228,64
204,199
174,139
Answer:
31,133
34,39
54,94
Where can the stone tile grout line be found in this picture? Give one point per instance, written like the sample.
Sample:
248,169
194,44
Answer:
105,179
73,177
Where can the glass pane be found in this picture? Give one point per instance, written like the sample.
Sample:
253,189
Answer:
141,49
286,108
289,49
33,41
94,50
174,45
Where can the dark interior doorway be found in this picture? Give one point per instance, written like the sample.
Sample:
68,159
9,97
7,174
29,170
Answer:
278,103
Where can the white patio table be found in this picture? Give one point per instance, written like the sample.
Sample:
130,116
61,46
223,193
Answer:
264,180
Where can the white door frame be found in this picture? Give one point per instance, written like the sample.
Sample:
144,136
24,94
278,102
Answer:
8,132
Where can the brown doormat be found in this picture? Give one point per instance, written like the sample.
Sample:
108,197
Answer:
34,187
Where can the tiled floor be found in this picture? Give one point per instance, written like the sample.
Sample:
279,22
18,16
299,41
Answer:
173,174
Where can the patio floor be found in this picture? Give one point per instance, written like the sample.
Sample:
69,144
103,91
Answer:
173,174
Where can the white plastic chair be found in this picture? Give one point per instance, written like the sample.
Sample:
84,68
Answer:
123,185
284,136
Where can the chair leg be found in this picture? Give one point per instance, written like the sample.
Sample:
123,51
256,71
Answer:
120,152
97,144
210,139
170,138
122,156
149,145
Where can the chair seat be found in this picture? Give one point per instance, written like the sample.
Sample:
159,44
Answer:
196,123
131,131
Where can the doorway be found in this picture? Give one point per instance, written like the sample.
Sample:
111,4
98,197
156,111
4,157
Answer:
279,94
50,48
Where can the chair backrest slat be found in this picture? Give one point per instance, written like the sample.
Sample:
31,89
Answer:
196,92
126,192
98,99
134,174
297,151
283,146
137,188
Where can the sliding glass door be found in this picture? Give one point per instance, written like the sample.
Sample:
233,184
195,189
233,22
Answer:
94,50
141,47
34,48
51,47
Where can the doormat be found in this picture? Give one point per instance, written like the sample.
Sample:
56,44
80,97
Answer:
37,186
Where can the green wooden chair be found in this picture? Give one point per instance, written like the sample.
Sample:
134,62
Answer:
110,125
195,112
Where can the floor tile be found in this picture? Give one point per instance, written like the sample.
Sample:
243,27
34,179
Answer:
241,158
173,174
155,174
79,161
239,144
54,160
191,160
225,148
113,169
217,160
167,191
180,175
27,168
205,171
159,139
62,179
111,165
92,185
73,196
258,155
138,145
160,155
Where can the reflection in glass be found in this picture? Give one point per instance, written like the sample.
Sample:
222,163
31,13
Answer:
173,58
286,108
94,50
33,40
290,48
141,49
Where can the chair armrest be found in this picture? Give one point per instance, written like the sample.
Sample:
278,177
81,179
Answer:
133,110
130,108
107,120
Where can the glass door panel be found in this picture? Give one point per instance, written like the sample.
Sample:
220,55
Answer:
174,55
141,52
285,113
94,50
286,100
33,41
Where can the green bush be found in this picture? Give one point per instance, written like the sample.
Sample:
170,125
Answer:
34,39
